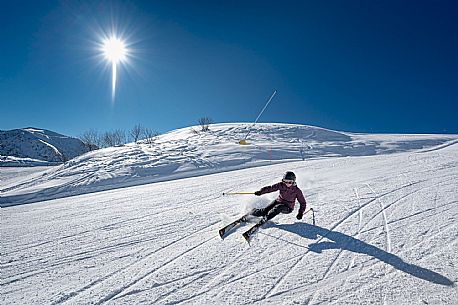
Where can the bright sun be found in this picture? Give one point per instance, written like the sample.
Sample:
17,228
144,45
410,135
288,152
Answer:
115,51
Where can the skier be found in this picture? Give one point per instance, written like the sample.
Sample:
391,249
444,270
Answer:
286,200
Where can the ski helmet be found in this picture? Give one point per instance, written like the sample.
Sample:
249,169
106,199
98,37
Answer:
289,176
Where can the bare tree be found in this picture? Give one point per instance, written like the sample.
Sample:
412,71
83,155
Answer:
108,139
194,131
204,123
114,138
150,135
91,139
136,132
120,136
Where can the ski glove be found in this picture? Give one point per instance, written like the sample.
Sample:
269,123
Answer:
258,193
299,215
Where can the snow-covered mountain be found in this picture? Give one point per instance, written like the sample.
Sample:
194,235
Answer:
32,146
386,229
186,153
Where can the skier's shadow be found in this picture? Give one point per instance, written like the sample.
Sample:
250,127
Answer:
345,242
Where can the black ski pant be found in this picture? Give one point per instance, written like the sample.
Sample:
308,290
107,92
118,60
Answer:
272,210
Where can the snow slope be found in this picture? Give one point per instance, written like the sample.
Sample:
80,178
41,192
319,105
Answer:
386,233
32,146
185,153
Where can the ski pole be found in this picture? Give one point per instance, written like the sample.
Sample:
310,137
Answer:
313,214
239,193
307,211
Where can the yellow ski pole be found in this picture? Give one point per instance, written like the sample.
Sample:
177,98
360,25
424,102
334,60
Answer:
239,193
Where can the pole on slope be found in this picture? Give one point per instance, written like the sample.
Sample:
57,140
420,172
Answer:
243,141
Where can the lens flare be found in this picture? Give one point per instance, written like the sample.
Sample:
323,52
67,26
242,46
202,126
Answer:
115,51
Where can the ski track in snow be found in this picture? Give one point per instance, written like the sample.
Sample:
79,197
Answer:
150,273
382,211
385,220
133,282
143,247
385,224
393,271
273,290
360,220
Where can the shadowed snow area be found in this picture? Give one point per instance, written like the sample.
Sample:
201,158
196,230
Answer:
186,153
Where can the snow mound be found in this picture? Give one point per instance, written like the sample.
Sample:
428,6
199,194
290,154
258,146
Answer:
187,152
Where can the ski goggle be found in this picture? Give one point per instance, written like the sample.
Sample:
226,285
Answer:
288,181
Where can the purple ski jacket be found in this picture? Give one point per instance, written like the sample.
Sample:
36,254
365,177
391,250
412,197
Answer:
288,195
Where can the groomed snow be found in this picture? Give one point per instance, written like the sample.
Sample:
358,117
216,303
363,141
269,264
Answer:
386,233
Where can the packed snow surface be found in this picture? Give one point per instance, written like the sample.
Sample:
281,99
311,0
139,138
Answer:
386,232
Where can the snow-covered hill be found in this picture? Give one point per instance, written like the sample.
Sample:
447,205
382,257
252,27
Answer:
31,146
386,228
185,153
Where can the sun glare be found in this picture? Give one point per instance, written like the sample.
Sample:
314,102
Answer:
114,49
115,52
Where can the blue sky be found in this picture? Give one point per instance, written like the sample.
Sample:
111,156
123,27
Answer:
363,66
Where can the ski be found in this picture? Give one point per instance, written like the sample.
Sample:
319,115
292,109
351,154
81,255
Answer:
248,234
223,231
